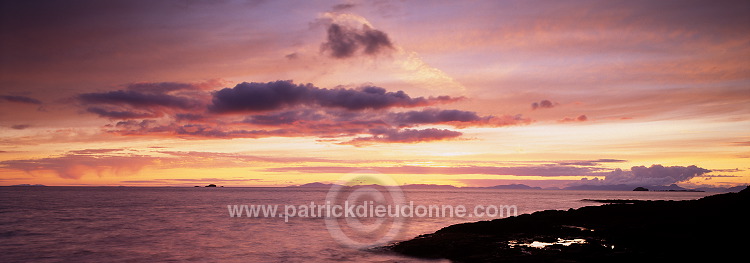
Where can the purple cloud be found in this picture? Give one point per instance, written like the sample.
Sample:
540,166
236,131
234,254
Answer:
580,118
344,42
591,162
405,136
121,114
544,104
256,97
654,175
147,100
20,99
281,109
286,118
161,87
428,116
138,99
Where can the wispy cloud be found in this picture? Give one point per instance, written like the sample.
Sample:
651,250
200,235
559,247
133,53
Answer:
404,136
75,166
20,99
580,118
747,143
591,162
120,162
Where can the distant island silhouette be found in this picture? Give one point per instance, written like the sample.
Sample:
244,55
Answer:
434,186
617,187
707,229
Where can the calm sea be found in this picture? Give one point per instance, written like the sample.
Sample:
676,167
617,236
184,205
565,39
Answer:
97,224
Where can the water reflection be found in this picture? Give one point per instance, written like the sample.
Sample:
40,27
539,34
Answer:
540,244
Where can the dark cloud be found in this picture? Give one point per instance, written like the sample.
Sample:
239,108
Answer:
132,123
20,126
147,100
20,99
415,135
281,109
654,175
344,42
591,162
292,56
609,161
544,104
325,123
405,136
342,7
434,116
138,99
189,117
142,127
726,170
456,118
161,87
371,97
96,151
285,118
374,41
708,176
193,130
122,114
211,131
580,118
255,97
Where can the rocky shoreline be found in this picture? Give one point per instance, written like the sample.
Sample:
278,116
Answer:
710,228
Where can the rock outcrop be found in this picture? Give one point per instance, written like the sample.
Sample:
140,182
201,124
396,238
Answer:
711,228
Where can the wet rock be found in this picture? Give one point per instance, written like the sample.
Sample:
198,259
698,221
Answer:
650,230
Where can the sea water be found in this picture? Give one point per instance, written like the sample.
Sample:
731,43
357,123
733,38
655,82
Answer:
147,224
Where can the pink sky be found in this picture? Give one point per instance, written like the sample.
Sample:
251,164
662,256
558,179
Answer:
274,93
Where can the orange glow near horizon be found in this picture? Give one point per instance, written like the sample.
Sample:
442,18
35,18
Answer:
494,93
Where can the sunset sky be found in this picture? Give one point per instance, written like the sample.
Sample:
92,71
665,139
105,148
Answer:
466,93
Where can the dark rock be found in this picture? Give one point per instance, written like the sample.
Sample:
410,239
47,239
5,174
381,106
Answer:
691,231
640,189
